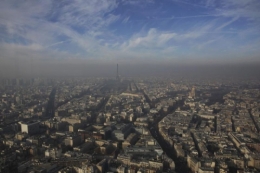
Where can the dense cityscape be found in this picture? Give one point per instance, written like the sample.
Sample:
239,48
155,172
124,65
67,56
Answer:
129,125
129,86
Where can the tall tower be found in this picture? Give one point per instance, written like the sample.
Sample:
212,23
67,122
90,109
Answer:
117,75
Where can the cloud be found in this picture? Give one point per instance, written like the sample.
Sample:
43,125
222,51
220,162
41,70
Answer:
205,44
125,20
227,23
108,30
198,30
228,8
210,3
91,15
60,42
247,9
153,39
49,23
196,5
88,14
136,2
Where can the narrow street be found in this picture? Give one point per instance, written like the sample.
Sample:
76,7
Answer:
180,165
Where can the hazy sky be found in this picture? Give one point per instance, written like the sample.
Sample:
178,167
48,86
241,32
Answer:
129,31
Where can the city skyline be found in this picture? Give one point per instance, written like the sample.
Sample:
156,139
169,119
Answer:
130,86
